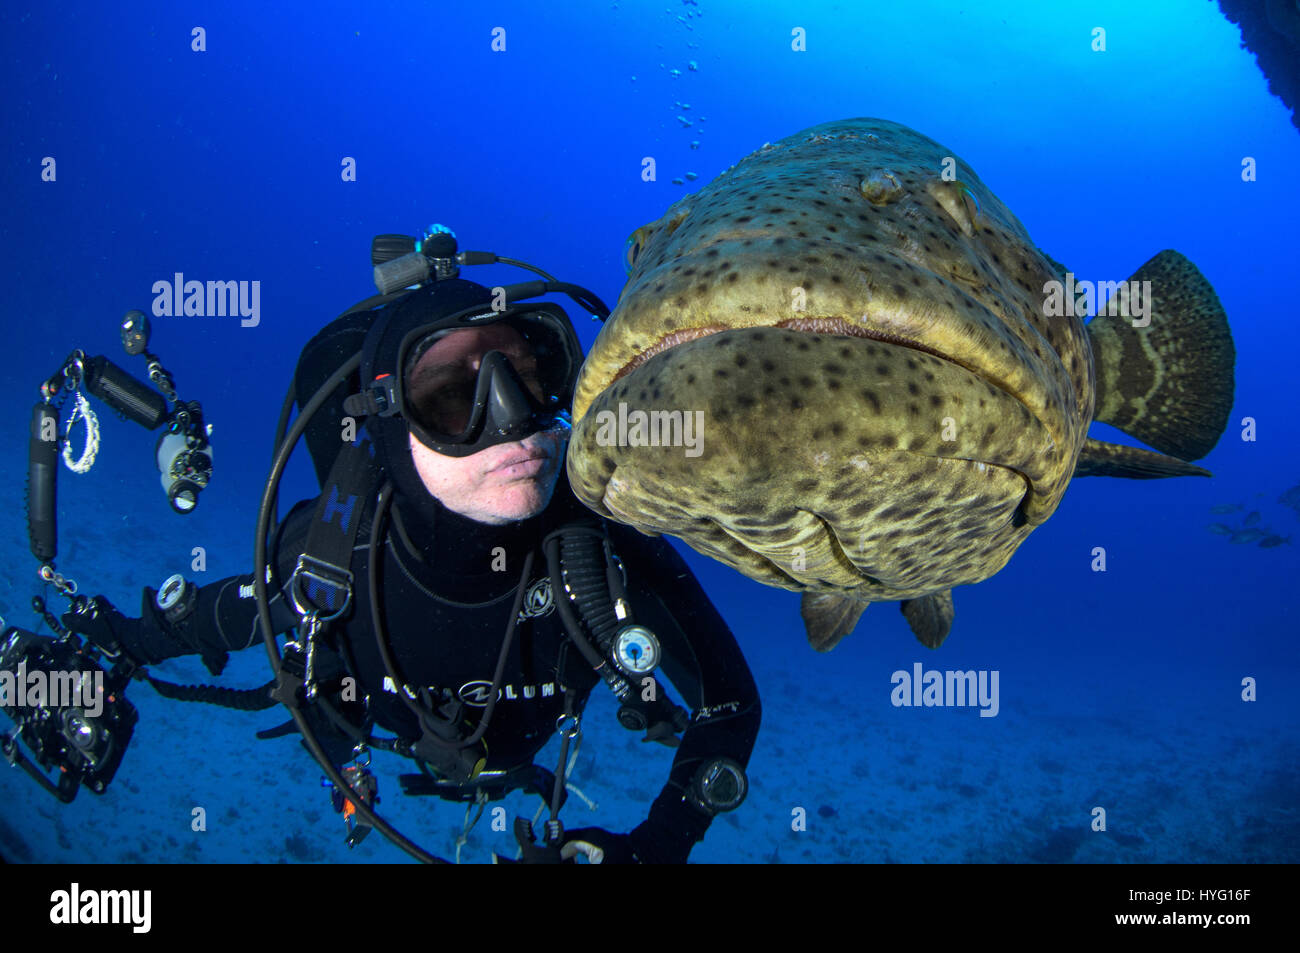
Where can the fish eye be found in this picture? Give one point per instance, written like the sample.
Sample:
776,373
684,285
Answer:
958,200
630,253
636,243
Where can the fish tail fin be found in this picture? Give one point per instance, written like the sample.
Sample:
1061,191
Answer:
827,618
1169,383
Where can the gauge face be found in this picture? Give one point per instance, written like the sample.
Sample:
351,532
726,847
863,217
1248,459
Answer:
722,785
636,649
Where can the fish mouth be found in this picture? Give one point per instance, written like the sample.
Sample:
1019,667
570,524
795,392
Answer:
1008,437
810,325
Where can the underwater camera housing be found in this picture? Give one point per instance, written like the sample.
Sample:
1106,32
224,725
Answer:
85,748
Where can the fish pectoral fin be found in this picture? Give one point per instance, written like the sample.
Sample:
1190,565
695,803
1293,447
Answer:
1099,458
828,618
930,617
1166,378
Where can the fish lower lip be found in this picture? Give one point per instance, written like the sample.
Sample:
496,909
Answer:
802,325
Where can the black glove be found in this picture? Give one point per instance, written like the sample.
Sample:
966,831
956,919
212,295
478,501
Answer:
99,621
617,848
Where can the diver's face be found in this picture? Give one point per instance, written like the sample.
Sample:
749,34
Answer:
501,484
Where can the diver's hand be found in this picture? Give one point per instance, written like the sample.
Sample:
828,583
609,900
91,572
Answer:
99,621
599,845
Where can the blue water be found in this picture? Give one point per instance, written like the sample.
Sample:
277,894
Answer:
1120,690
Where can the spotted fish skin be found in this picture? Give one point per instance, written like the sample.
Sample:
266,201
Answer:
887,411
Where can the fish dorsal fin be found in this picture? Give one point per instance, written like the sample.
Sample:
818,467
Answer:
827,618
930,617
1168,383
1099,458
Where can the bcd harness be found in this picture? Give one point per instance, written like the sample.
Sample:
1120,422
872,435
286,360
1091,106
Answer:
590,597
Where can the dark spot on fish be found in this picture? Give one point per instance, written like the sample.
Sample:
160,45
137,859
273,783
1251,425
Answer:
913,389
882,370
870,397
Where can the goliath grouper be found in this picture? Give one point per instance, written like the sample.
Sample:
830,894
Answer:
889,394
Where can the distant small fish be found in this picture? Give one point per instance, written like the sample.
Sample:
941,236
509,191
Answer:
1251,518
1221,508
1291,498
1218,529
1248,536
1268,542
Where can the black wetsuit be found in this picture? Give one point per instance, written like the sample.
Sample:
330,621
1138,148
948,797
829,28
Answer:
447,600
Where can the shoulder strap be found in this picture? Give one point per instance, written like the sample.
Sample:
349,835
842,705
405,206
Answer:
322,580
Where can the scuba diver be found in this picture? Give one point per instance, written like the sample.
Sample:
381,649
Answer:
447,588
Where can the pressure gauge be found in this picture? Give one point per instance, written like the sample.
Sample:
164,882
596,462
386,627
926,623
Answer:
636,650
